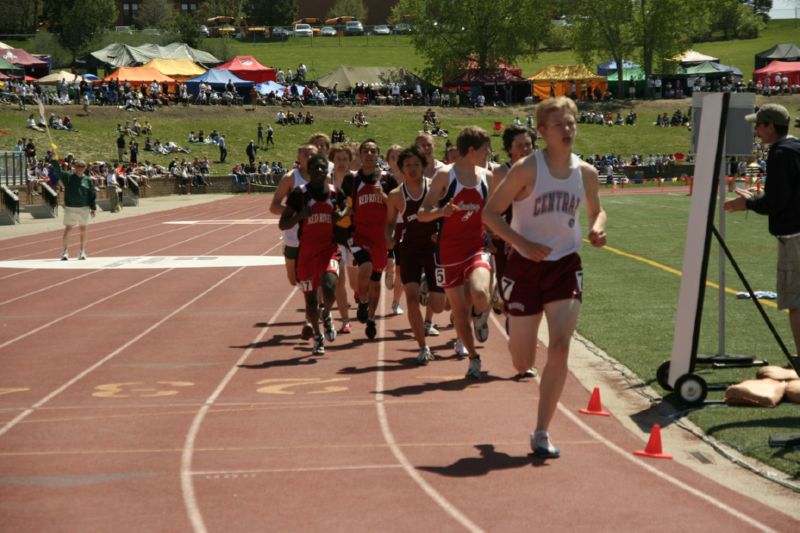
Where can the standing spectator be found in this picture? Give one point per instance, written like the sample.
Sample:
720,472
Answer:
113,190
270,133
251,152
223,150
79,203
781,203
30,152
121,147
134,151
260,137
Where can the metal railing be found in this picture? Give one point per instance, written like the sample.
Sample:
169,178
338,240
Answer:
13,169
10,202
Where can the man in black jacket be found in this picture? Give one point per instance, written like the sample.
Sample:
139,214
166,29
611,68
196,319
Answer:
781,203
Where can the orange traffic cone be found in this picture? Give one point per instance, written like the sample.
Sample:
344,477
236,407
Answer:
594,407
653,448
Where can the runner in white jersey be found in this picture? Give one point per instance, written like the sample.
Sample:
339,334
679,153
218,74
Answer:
543,275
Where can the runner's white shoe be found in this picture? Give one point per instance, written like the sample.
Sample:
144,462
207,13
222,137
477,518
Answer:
542,447
424,356
330,330
430,330
460,349
474,370
397,310
319,346
65,255
82,256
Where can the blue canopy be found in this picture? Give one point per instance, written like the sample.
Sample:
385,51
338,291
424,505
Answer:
89,77
271,86
218,78
610,66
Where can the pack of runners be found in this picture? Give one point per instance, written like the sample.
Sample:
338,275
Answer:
464,237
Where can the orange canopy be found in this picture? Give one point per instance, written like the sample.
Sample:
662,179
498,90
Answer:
138,75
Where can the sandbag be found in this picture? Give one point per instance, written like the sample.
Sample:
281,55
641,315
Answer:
792,392
756,392
777,372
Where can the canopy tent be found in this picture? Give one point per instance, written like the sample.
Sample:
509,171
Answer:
248,68
708,69
779,52
472,64
486,77
346,78
90,77
610,66
178,69
10,68
138,75
4,77
790,69
218,79
494,84
32,65
561,76
56,77
693,56
4,46
634,75
123,55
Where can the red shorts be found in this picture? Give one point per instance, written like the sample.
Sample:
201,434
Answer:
365,252
453,275
311,268
527,286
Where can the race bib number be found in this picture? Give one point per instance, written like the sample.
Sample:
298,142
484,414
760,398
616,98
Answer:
334,266
440,277
506,288
305,285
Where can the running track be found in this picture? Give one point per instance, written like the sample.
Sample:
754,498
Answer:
184,400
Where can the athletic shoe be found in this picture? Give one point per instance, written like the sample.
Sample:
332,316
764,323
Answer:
461,350
480,324
474,370
345,327
319,346
397,310
308,332
82,256
362,314
423,290
388,279
65,255
542,447
330,331
371,329
497,304
430,330
424,356
530,373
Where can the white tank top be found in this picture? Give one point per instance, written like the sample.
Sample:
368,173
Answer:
290,237
549,215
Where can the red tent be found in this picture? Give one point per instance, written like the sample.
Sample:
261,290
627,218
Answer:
248,68
790,69
21,58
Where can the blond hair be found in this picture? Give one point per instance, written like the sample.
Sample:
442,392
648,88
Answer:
559,103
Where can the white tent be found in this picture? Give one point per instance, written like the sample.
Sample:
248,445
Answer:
693,56
4,46
56,77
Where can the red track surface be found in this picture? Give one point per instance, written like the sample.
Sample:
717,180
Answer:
179,400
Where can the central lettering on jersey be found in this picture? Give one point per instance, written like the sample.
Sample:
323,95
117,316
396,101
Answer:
411,218
370,198
320,218
556,201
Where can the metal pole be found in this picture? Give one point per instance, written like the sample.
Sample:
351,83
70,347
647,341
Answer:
723,187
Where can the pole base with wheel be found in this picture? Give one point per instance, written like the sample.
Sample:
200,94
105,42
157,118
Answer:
691,389
729,361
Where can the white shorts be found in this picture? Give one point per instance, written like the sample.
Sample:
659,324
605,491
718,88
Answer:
76,216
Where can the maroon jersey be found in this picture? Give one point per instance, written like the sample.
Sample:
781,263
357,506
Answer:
316,231
416,236
369,207
461,235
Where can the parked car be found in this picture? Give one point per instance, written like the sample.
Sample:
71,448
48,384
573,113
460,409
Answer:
123,29
204,31
353,27
402,28
279,31
151,31
303,30
381,29
328,31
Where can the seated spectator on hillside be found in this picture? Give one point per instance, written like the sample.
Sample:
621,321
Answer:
173,147
32,123
280,117
309,117
630,119
359,120
191,138
67,123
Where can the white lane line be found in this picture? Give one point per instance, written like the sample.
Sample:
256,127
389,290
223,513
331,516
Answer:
388,436
292,470
114,295
27,412
641,463
187,483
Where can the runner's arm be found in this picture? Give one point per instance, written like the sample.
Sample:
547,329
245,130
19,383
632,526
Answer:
594,211
392,208
430,210
284,187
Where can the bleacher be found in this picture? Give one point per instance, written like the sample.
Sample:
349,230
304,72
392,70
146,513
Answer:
9,210
48,208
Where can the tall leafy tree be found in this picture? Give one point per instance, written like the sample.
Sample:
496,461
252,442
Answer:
271,12
759,7
221,8
604,29
353,8
664,28
78,22
155,14
186,29
452,33
25,17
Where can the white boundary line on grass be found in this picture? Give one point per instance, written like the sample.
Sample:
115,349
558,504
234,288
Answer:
641,463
